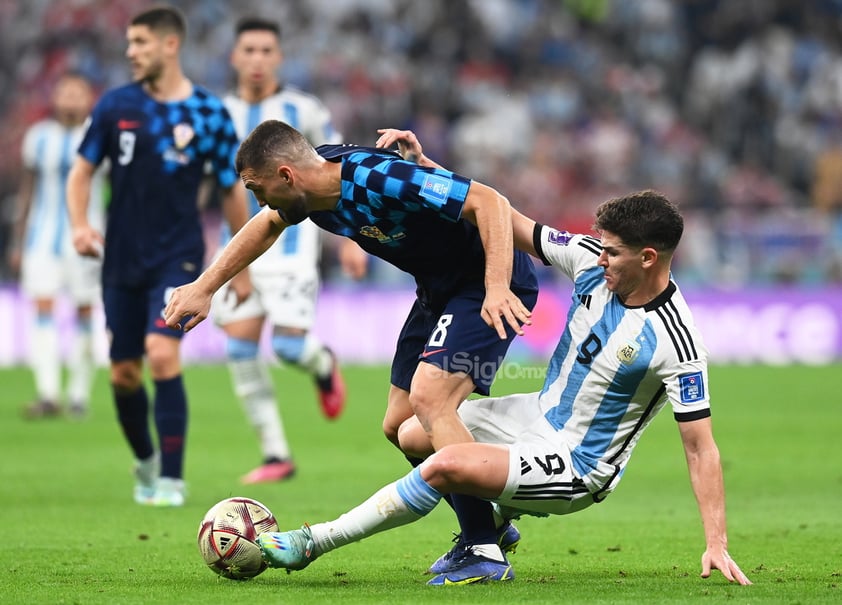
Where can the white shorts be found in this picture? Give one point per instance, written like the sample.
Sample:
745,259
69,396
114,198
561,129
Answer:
541,477
285,298
46,275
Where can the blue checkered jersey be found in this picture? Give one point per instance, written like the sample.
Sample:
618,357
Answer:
616,366
410,216
157,155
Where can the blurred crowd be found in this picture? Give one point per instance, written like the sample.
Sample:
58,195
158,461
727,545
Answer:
734,109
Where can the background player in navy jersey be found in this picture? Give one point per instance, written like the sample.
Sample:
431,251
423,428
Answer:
452,234
285,279
157,133
629,348
44,253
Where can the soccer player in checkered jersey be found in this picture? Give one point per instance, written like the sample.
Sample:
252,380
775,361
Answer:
158,134
44,253
452,234
629,349
285,279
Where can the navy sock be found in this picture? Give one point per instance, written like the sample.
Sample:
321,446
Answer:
133,415
171,422
476,519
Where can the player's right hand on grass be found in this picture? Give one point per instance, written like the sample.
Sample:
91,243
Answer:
711,559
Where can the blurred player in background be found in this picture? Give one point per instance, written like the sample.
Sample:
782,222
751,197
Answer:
285,280
43,250
629,349
157,133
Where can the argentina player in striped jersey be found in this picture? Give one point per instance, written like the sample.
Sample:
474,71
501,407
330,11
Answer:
629,349
43,249
285,279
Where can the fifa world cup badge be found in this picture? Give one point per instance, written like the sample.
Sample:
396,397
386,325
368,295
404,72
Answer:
182,135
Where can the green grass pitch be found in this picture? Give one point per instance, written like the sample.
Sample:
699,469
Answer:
71,533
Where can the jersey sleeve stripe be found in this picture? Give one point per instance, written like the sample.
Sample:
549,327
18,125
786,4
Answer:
590,244
678,333
537,230
690,416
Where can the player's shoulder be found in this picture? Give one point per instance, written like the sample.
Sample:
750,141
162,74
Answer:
207,97
297,95
356,153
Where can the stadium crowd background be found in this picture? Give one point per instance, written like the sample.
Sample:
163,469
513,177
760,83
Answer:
734,109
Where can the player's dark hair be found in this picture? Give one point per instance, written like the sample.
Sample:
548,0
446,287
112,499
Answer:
273,141
252,24
642,219
166,19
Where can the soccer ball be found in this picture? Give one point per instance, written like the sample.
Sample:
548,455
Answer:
227,537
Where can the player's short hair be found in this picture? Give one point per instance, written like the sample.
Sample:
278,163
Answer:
252,24
642,219
271,142
163,19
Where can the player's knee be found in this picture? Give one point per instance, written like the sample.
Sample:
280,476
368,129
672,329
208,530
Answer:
390,430
126,376
289,347
426,407
239,349
444,468
413,439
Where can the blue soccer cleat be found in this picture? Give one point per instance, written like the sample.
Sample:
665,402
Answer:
291,550
508,537
468,567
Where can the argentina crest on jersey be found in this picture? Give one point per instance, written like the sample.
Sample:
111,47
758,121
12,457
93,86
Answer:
628,352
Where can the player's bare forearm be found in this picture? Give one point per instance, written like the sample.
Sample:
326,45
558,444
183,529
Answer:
491,213
703,463
86,240
522,229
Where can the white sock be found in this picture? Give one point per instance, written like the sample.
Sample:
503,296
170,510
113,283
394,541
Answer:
315,358
81,364
45,358
384,510
253,385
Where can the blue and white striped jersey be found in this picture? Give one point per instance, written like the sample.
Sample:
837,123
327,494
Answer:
48,150
298,245
615,366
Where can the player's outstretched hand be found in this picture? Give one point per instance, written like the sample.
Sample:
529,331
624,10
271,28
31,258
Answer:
188,301
501,304
721,560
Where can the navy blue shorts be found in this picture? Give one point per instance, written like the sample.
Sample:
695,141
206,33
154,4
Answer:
456,340
132,312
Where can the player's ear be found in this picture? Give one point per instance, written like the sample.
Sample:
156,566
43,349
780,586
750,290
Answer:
649,256
285,174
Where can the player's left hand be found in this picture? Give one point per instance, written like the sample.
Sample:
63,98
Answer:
719,559
239,288
501,304
408,145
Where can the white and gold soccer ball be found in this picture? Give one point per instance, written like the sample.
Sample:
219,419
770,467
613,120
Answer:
228,534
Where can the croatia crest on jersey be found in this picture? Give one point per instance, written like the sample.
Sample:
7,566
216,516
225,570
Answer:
692,387
182,135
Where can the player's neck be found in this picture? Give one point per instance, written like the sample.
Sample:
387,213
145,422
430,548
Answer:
327,186
256,94
647,291
171,86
